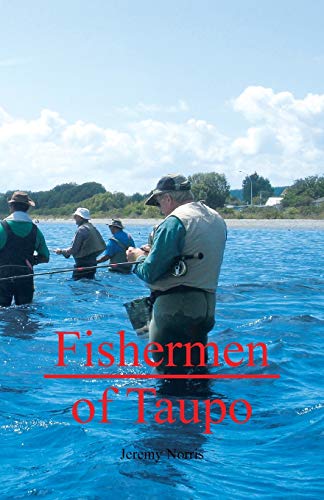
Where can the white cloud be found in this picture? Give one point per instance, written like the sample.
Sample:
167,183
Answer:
284,141
153,109
163,143
289,131
257,141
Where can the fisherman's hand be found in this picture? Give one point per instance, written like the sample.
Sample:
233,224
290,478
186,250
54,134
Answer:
133,254
146,249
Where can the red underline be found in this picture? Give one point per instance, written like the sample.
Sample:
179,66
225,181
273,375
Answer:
157,376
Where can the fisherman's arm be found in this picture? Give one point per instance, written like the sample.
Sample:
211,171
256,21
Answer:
43,254
110,251
168,244
131,241
3,237
81,235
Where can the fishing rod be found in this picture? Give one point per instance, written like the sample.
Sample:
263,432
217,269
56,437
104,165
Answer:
65,270
177,272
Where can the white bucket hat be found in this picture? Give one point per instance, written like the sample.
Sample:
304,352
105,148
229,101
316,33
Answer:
83,212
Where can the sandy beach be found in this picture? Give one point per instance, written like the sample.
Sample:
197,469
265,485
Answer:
276,224
311,224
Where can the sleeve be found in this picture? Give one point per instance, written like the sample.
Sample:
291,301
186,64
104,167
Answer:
81,235
111,248
41,247
3,237
131,241
168,244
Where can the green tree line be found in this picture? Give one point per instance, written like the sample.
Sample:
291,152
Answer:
212,187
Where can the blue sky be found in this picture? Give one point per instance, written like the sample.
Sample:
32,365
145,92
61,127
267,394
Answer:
122,92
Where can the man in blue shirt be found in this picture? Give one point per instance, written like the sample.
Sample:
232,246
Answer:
117,246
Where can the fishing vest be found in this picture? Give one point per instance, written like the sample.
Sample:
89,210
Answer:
94,244
205,233
18,249
120,256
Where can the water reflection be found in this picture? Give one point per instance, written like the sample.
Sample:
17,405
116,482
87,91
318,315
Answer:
18,322
163,452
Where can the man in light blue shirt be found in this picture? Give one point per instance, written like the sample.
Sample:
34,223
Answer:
116,248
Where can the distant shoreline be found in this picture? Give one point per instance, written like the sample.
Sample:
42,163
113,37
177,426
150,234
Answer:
311,224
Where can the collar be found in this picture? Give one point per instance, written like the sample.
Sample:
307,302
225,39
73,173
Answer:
19,217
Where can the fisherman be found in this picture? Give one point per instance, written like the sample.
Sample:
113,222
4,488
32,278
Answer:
117,246
22,246
190,241
86,246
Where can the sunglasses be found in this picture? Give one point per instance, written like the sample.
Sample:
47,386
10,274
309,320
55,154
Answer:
159,198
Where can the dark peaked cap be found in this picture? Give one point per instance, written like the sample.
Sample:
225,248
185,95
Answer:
170,182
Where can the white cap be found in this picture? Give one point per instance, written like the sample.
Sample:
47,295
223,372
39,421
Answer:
83,212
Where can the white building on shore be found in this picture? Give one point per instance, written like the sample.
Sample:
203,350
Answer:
274,201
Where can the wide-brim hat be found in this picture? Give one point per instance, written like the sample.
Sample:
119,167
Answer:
83,212
116,223
170,182
21,197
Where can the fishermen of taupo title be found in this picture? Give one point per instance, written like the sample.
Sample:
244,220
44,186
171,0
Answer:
106,355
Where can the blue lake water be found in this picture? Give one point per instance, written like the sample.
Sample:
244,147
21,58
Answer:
271,290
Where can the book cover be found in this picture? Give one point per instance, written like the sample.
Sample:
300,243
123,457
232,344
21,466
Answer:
98,101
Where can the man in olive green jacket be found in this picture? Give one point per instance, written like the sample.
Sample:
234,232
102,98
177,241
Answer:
86,246
182,270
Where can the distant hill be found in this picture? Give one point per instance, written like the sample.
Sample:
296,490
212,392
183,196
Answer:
62,200
58,196
66,193
278,190
237,193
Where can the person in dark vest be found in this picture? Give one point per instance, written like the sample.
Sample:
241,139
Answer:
86,246
22,246
116,248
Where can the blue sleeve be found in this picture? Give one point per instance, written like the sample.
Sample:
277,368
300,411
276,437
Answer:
111,248
168,244
131,241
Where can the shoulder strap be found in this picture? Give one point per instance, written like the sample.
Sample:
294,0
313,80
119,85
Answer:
119,243
6,226
8,229
34,232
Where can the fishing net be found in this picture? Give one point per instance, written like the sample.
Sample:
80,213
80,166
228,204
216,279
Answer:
140,312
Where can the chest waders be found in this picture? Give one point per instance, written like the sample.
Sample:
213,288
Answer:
16,258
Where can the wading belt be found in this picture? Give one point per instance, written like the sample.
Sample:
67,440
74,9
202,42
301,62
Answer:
176,289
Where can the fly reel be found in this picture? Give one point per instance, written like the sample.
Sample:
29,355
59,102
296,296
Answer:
180,269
